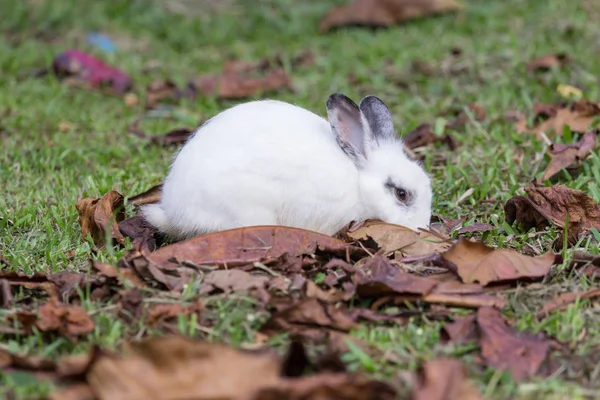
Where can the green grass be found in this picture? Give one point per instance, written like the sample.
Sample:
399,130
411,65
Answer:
44,170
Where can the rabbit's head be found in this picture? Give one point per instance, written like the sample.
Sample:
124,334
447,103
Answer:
393,188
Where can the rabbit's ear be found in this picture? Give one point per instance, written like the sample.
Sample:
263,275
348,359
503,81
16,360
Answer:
345,119
377,119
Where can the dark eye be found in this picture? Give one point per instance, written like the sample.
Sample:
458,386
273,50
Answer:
400,194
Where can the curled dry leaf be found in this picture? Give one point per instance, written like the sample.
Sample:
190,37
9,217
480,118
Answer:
444,378
389,237
476,262
563,156
66,320
422,135
552,204
97,215
383,13
243,246
562,301
84,69
548,61
581,116
505,348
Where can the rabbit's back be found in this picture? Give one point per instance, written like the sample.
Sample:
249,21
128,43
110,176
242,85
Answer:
260,163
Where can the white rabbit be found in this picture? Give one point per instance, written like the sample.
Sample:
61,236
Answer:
272,163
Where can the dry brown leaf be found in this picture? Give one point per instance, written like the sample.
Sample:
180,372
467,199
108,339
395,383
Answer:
580,117
422,136
236,86
548,61
461,330
66,320
563,156
383,13
378,277
504,348
141,233
173,137
476,262
161,315
442,379
562,301
96,215
309,317
389,237
37,281
243,246
231,281
125,276
552,204
180,368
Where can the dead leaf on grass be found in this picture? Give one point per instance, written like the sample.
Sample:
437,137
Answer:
423,135
141,233
461,330
231,281
476,262
378,278
38,280
235,86
505,348
389,237
563,300
310,318
551,205
181,368
175,136
243,246
162,315
124,276
563,156
548,62
444,378
581,117
66,320
383,13
97,215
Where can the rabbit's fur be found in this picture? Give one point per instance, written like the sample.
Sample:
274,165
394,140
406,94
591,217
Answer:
272,163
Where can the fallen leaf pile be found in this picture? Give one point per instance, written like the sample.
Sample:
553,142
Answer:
314,290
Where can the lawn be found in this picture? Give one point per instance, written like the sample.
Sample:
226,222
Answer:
62,143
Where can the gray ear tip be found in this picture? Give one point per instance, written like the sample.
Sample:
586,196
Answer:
371,100
337,99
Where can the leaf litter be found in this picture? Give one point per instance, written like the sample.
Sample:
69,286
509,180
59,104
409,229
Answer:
382,263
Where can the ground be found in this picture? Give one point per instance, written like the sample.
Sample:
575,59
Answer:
60,143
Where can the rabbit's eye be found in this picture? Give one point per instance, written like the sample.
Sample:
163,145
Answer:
401,194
